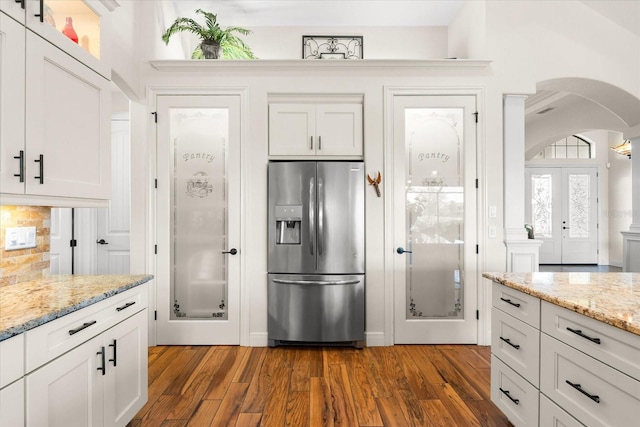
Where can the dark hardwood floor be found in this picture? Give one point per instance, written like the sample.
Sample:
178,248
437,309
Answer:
403,385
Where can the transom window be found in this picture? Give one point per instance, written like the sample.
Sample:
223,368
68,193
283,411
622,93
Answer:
572,147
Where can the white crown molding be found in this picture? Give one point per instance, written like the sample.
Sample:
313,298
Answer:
110,4
306,64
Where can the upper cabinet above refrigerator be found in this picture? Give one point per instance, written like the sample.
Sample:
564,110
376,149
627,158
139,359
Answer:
329,128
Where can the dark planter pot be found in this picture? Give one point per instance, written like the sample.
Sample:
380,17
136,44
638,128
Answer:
210,50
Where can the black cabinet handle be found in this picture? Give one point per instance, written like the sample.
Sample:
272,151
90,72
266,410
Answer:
21,3
232,251
593,397
508,341
319,143
41,161
81,327
127,305
41,14
102,368
506,393
115,353
21,158
508,301
579,332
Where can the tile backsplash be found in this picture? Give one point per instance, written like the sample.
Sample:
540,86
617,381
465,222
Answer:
25,264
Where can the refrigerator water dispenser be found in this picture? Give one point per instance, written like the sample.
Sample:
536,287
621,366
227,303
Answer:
288,222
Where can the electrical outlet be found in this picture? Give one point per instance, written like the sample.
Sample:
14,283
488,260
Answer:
492,231
20,238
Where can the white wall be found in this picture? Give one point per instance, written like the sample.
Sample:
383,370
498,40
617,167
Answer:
527,41
467,32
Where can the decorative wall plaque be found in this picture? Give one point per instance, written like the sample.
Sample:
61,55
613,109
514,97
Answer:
331,47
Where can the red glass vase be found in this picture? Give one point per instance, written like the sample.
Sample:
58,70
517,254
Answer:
69,31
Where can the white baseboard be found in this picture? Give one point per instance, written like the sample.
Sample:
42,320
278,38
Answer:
615,263
258,339
375,339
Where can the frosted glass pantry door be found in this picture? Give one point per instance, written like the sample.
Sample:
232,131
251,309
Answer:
198,219
434,219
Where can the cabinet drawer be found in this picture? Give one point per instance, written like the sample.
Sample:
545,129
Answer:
516,344
52,339
515,397
518,304
611,345
11,359
599,396
551,415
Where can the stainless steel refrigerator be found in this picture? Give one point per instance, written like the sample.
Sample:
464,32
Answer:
316,283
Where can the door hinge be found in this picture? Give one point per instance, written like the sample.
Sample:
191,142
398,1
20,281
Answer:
477,314
156,183
73,243
155,249
477,249
155,116
476,114
477,183
155,315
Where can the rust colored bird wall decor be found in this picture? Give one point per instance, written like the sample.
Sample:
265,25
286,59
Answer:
375,182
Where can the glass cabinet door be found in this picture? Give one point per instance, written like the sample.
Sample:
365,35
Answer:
76,26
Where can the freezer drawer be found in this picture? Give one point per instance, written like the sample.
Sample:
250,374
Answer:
316,309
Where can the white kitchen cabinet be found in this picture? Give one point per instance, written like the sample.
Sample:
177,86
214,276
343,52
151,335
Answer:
68,391
307,129
67,125
13,8
89,368
126,386
90,20
12,404
12,80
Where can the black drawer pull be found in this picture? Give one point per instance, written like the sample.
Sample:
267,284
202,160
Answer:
127,305
102,368
579,332
506,392
81,327
593,397
508,341
508,301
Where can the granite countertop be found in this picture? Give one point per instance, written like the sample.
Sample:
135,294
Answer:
612,298
30,304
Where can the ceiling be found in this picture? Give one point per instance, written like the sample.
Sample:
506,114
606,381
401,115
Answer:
326,13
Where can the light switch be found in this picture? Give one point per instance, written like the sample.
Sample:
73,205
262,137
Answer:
492,231
492,211
20,238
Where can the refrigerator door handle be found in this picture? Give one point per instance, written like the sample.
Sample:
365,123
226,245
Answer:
312,218
316,282
320,217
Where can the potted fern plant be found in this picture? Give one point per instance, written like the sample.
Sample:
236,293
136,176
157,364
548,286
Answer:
214,41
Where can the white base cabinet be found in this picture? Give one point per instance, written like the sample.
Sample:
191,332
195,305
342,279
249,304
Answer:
103,382
578,372
12,404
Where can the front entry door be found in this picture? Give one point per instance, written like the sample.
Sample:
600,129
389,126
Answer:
198,220
434,217
562,206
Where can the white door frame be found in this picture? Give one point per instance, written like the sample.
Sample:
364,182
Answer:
152,94
483,291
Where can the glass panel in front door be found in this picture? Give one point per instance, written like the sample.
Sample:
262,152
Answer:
435,206
198,213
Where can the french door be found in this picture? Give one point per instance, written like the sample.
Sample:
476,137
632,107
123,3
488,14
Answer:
198,219
562,206
434,219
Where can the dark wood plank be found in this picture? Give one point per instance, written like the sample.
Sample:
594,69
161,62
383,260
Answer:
451,375
251,362
417,381
298,407
320,408
204,413
229,409
457,407
232,357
